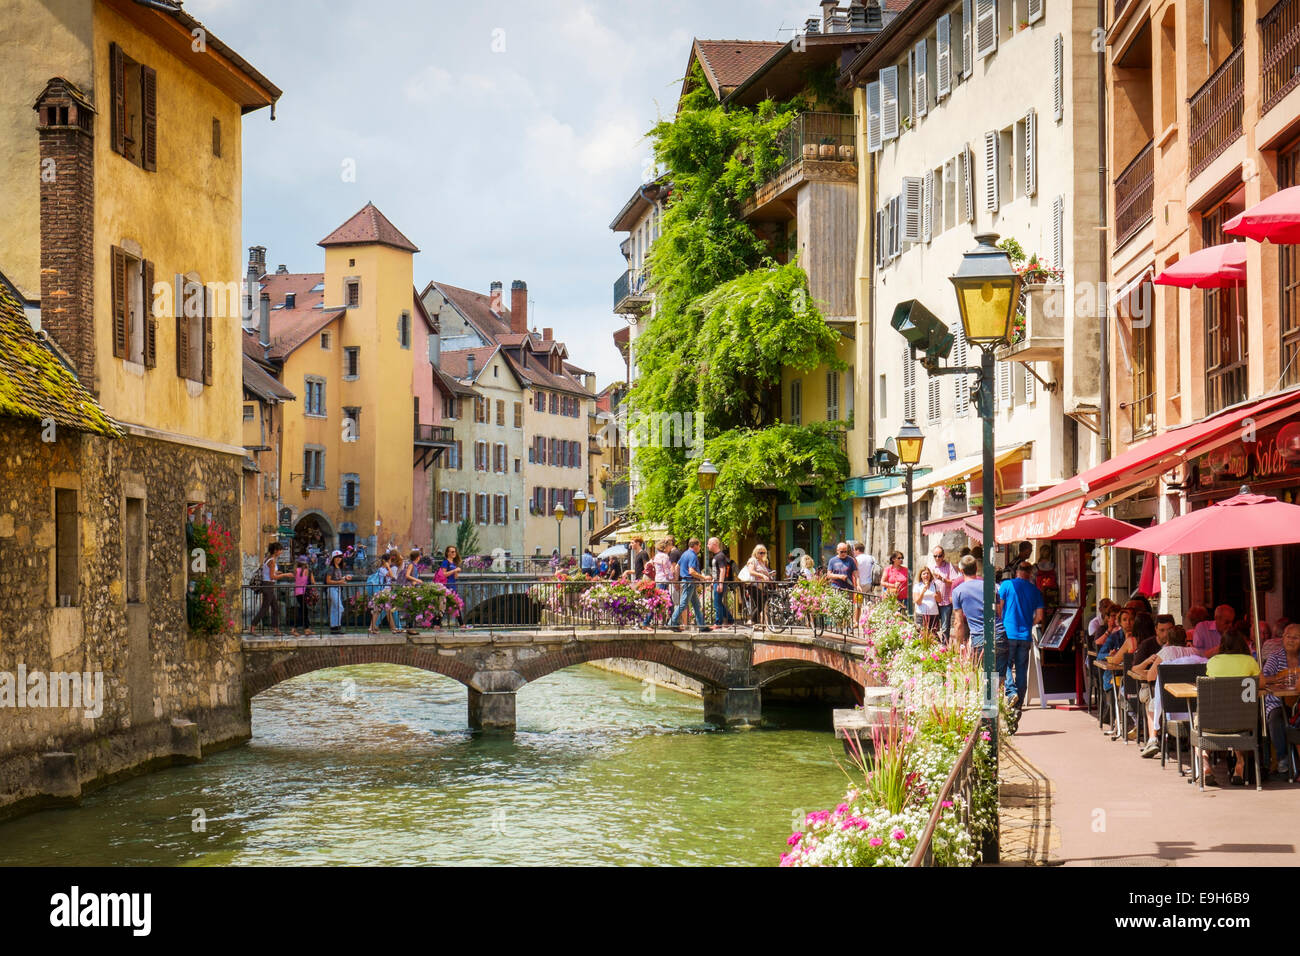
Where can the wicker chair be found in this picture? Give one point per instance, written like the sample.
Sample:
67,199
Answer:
1227,718
1172,673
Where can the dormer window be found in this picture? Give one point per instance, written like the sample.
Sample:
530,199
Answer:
290,300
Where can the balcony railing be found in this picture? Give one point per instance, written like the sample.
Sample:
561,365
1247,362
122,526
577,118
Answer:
434,435
1216,112
1279,70
1135,191
821,136
631,291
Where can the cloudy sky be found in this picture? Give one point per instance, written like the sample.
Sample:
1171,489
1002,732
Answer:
501,137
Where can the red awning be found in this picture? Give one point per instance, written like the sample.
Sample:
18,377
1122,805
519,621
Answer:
1057,509
950,522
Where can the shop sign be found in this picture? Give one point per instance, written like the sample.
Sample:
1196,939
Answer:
1273,456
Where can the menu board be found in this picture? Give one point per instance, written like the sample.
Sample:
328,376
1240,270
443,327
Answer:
1059,629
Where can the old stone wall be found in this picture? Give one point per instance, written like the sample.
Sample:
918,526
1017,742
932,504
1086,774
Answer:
656,674
167,693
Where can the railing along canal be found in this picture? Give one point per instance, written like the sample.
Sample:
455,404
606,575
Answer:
960,781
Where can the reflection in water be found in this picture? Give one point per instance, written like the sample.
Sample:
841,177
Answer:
370,765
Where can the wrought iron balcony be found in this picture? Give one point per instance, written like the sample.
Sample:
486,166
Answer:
632,292
1135,193
1279,68
434,436
1216,111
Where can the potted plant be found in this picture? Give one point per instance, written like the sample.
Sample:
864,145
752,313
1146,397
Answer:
827,149
847,153
809,150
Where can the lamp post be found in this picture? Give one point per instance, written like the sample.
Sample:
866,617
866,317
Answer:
707,475
988,291
579,506
909,442
559,534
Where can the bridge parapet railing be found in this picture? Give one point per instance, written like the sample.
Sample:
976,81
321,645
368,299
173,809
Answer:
532,602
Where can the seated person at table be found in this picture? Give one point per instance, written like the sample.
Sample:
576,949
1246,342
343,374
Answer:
1118,643
1270,642
1280,672
1173,641
1145,631
1208,634
1110,627
1232,660
1097,626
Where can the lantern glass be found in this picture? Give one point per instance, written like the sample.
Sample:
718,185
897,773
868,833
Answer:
988,291
559,512
579,503
707,475
910,440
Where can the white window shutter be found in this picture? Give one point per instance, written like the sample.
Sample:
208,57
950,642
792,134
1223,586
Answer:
911,87
927,207
1031,152
959,359
1058,232
992,157
986,27
1004,384
967,26
909,386
1058,77
880,237
1035,10
943,57
1030,382
889,103
922,84
896,227
934,394
873,117
913,189
967,185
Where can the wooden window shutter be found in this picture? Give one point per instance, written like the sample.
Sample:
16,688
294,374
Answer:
460,455
1058,77
873,117
1031,152
992,156
1035,10
889,103
121,322
967,185
967,28
505,509
927,207
913,188
922,83
117,78
150,321
207,337
1058,232
943,57
149,124
986,27
182,331
911,87
880,237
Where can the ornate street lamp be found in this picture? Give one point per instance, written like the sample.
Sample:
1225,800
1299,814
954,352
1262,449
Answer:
909,442
559,534
579,506
707,475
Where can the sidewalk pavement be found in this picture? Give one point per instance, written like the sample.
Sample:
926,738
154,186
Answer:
1110,807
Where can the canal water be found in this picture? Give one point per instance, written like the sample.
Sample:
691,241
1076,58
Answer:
371,766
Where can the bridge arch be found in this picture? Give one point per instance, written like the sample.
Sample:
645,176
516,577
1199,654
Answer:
708,671
322,658
773,661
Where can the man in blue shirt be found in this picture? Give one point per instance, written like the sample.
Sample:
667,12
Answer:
1020,607
842,570
968,607
588,562
688,568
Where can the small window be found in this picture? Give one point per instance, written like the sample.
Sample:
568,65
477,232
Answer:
250,412
351,424
352,263
351,493
519,414
353,294
67,549
324,336
796,402
313,467
134,541
351,362
404,331
290,300
216,137
501,412
314,394
133,110
516,466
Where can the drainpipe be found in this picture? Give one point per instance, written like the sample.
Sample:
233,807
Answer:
1103,445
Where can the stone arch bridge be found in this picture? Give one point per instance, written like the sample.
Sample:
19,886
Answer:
733,665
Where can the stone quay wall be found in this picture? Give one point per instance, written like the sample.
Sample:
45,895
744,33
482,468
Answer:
168,695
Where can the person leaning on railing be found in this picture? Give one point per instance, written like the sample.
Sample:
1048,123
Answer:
335,578
271,575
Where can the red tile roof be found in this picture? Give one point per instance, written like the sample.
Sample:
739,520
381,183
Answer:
477,309
300,284
290,329
368,227
728,63
456,362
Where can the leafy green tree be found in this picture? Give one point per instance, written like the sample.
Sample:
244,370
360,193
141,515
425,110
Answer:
466,538
729,318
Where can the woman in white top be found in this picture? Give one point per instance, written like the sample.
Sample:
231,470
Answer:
755,570
926,596
807,567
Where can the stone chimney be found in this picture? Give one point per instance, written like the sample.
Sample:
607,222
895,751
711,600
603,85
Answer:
65,130
282,270
495,298
256,262
519,306
828,13
264,325
256,269
812,25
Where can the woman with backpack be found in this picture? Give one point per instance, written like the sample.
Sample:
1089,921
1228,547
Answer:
269,576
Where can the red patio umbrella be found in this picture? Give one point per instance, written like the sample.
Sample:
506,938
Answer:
1242,522
1095,526
1213,267
1276,219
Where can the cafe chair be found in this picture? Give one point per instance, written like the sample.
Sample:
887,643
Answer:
1174,712
1132,705
1227,718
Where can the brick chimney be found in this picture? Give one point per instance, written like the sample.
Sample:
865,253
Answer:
519,306
65,129
495,298
547,334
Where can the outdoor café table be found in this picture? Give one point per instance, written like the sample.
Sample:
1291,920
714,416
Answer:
1104,665
1186,692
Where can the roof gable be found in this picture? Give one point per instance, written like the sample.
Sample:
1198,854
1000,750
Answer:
369,227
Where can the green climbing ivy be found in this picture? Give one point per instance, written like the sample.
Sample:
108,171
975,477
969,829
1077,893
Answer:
729,319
